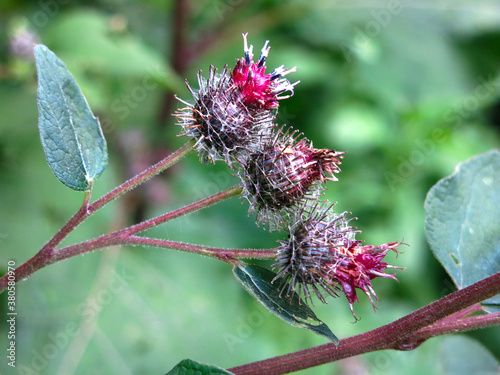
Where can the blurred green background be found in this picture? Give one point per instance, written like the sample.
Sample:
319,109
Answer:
407,89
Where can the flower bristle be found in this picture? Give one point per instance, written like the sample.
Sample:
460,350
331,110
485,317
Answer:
257,88
285,174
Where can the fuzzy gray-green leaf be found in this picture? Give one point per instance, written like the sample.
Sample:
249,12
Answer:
463,221
71,135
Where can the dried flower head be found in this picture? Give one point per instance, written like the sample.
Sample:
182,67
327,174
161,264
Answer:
233,112
285,174
322,254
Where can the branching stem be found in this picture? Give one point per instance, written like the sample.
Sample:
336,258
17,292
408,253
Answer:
406,333
46,255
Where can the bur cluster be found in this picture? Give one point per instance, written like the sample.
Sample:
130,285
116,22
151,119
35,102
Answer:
233,119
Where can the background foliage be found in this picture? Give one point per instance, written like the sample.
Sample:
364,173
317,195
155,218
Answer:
408,90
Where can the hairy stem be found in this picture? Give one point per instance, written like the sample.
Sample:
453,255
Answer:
403,334
77,218
45,255
222,254
112,240
142,177
125,236
204,203
459,325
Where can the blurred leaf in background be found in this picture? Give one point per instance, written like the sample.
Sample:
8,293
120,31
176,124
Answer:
408,90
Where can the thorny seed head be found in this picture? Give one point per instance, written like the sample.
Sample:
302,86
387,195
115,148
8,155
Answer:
322,254
285,174
313,230
233,112
222,126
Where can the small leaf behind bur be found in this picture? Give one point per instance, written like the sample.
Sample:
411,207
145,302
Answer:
190,367
463,221
258,282
71,136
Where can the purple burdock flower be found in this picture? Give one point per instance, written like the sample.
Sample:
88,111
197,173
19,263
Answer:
322,254
355,266
285,174
233,112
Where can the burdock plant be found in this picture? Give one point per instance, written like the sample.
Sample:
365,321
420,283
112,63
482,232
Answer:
232,118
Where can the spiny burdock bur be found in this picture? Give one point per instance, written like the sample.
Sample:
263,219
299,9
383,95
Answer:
322,254
286,174
233,112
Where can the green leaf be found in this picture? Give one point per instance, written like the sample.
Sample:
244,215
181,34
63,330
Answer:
190,367
258,282
461,355
463,221
71,136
